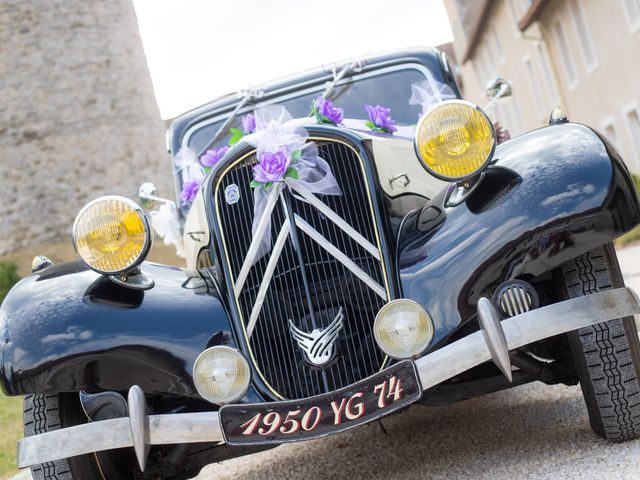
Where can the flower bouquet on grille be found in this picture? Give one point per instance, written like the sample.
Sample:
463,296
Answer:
286,158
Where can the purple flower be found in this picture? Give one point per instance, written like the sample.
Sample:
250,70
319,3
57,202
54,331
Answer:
325,108
272,167
189,191
211,157
380,118
249,123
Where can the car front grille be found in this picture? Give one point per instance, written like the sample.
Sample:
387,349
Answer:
330,285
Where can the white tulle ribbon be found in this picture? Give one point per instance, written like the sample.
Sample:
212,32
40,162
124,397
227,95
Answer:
187,165
276,129
167,225
429,92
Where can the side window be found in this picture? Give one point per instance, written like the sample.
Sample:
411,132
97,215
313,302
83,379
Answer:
534,83
566,55
632,12
549,79
584,35
609,129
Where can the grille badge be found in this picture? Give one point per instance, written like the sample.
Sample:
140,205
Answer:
318,346
232,194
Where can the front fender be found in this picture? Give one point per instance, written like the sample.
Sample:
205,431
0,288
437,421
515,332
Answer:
68,328
549,196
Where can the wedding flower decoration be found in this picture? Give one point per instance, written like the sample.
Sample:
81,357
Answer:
286,159
189,191
248,127
249,123
191,172
429,92
213,156
274,166
326,112
167,225
380,119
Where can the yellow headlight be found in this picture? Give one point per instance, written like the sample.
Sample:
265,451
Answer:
454,140
111,234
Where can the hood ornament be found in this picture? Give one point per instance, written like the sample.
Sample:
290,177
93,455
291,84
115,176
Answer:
318,346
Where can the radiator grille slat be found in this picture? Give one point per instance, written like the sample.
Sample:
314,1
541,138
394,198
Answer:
331,285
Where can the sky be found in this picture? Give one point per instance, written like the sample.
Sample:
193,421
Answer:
198,50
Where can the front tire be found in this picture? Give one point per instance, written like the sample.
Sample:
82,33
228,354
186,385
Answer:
45,413
606,355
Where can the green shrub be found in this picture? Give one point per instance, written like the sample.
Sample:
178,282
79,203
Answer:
8,277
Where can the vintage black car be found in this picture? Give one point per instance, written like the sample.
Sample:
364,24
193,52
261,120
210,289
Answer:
442,266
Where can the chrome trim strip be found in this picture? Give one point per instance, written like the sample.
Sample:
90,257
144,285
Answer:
344,226
433,368
529,327
268,274
116,433
257,236
341,257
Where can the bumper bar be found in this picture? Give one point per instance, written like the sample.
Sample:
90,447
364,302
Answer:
493,342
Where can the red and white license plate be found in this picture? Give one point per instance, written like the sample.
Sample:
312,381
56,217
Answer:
290,421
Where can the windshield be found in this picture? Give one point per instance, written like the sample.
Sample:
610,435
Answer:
391,89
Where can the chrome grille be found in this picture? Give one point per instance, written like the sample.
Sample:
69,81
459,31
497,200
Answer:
331,284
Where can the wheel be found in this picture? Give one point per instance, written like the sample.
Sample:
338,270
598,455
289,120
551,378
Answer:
44,413
607,355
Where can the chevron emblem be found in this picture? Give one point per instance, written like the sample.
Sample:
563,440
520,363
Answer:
318,346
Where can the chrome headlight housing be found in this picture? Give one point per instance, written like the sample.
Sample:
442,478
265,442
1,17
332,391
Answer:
403,329
455,140
112,235
221,375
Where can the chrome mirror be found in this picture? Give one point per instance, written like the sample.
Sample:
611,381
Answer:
148,195
496,88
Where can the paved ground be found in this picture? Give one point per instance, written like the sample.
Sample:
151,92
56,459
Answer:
629,259
534,431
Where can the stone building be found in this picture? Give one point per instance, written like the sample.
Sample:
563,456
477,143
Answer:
580,55
78,116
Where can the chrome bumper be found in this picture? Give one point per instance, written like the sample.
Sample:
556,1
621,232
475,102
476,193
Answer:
494,341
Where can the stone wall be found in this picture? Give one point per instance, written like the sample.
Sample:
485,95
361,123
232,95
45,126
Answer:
78,117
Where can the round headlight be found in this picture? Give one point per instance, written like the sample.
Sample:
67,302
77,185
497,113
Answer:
221,375
112,235
455,140
403,329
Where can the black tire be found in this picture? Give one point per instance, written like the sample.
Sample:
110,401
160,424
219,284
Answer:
44,413
607,355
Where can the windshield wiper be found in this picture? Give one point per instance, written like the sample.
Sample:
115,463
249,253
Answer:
346,70
246,98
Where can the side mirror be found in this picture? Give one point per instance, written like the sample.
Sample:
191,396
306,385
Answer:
148,195
497,88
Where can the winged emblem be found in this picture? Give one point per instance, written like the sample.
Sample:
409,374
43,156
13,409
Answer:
318,346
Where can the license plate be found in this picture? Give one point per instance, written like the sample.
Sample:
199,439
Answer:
313,417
